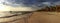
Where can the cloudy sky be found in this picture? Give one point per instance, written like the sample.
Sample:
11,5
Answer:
26,4
29,2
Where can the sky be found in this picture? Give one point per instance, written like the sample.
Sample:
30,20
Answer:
30,3
26,5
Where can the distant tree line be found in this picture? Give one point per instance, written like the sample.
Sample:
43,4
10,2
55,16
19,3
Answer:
51,8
